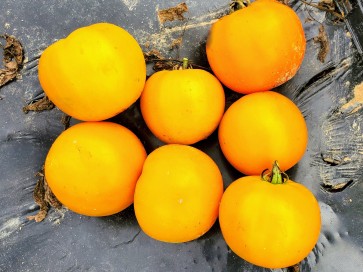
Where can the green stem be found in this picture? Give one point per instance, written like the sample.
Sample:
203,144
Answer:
185,63
276,176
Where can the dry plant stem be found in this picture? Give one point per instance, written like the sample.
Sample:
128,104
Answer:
338,15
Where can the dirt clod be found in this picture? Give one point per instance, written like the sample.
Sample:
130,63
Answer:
173,13
322,39
13,59
40,105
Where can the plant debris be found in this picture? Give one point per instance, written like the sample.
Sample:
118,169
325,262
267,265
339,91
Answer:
327,6
40,105
13,59
294,268
173,13
44,197
66,119
322,39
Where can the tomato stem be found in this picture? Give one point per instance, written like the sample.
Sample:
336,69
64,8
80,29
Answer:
185,63
275,176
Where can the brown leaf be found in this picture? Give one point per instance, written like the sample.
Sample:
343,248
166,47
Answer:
40,105
12,61
322,39
44,197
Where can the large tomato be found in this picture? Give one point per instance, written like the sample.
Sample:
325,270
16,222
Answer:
178,193
260,128
182,106
92,167
273,224
256,48
95,73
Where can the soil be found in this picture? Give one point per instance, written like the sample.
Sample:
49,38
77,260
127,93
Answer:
356,103
12,60
173,13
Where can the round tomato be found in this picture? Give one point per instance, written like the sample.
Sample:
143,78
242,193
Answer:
269,225
178,193
92,167
95,73
256,48
182,106
260,128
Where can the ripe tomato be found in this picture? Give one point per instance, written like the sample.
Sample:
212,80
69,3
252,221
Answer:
260,128
269,225
178,193
182,106
256,48
95,73
92,167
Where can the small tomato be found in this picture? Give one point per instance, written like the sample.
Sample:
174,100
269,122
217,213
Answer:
260,128
178,193
270,224
256,48
92,167
182,106
95,73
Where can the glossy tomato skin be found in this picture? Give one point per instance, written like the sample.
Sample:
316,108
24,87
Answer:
269,225
260,128
92,167
178,193
95,73
256,48
182,106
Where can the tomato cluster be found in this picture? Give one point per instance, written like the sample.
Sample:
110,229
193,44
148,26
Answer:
99,168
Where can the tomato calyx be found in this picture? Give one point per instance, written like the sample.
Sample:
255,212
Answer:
275,176
239,4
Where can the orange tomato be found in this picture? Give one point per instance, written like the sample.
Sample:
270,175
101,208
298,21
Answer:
178,193
95,73
260,128
182,106
92,167
269,225
256,48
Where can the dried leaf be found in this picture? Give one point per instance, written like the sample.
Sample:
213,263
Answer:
44,197
40,105
322,39
12,61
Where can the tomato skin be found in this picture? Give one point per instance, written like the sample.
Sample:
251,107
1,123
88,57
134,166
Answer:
269,225
260,128
178,193
95,73
256,48
182,106
92,167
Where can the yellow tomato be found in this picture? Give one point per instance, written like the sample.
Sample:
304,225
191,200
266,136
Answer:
92,167
269,225
260,128
256,48
95,73
178,193
182,106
